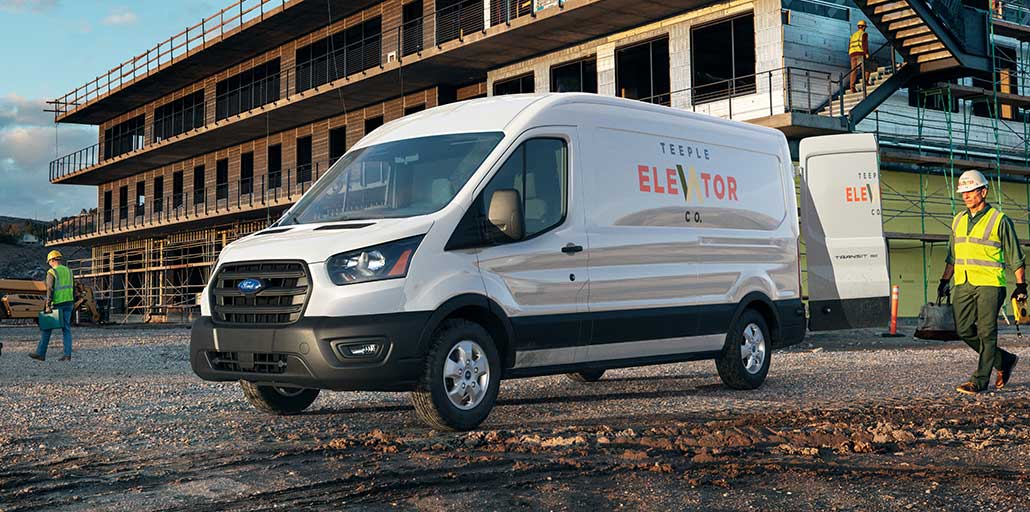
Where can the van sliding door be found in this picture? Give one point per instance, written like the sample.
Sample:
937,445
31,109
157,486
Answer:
842,228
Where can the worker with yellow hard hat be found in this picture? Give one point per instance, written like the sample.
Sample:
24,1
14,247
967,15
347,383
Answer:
983,244
60,295
858,51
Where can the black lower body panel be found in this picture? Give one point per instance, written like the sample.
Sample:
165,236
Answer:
313,353
828,315
791,314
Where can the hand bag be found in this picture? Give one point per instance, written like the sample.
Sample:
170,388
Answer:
50,321
937,322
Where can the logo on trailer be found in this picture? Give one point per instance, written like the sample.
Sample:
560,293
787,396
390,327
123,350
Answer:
251,286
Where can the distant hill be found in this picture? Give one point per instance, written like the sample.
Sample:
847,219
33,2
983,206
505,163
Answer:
7,221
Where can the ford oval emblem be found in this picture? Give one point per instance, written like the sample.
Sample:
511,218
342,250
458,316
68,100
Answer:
249,286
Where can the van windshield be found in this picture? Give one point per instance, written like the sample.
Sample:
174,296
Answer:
395,179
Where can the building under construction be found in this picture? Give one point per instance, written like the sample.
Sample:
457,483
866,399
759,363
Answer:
211,134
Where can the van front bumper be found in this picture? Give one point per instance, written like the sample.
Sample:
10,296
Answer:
313,352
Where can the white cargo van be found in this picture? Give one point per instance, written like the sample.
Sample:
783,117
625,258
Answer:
522,236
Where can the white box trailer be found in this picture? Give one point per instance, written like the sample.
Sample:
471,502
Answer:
521,236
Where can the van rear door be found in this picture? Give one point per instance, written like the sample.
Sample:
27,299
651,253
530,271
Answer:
842,228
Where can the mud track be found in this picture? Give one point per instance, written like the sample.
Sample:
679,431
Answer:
835,429
960,454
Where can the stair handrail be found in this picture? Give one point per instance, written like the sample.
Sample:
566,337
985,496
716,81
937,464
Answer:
950,12
895,65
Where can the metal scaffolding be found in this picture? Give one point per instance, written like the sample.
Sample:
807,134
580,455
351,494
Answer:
156,279
976,122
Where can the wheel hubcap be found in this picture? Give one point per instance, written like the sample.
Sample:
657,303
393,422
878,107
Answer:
752,348
466,374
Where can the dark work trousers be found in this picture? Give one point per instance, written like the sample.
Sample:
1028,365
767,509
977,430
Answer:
976,320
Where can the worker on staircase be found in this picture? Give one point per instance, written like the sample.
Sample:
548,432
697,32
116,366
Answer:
858,52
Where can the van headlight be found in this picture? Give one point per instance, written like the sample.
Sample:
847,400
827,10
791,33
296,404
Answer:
386,261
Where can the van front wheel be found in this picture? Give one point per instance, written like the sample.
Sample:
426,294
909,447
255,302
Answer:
278,400
461,377
745,358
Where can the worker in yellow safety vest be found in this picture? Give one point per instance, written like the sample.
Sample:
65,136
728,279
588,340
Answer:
983,244
60,295
858,51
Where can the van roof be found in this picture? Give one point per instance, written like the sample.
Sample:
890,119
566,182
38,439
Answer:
510,112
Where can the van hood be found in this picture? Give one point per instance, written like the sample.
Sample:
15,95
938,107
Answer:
315,243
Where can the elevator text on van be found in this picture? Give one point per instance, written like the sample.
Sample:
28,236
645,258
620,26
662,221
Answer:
670,181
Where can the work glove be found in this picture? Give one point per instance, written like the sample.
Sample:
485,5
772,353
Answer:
1020,292
944,289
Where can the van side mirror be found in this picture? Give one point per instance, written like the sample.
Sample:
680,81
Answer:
505,213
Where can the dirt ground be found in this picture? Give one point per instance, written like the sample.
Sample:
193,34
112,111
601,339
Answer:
847,421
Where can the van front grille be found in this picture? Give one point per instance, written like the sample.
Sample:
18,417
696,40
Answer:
247,362
278,296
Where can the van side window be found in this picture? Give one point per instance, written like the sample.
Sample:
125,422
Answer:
538,170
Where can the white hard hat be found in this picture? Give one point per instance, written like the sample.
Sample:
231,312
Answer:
971,180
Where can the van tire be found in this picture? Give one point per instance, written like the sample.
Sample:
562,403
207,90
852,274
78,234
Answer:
273,401
730,364
588,375
430,398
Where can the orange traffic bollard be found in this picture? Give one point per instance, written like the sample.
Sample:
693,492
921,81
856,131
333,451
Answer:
895,292
895,296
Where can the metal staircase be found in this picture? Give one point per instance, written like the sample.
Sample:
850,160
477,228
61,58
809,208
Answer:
846,103
909,33
926,39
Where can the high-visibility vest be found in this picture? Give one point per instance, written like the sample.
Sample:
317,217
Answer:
855,45
978,255
63,284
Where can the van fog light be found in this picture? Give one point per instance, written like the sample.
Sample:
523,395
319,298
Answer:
366,350
360,350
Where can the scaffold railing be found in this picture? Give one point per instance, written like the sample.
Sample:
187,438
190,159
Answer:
397,40
211,29
274,189
344,61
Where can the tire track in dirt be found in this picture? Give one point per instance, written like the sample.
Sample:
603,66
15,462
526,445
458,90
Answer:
957,443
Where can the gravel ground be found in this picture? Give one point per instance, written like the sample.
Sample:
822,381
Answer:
846,421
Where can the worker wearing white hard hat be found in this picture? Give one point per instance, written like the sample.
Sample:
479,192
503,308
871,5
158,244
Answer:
983,244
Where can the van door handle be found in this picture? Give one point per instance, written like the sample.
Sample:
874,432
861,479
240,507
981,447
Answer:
572,248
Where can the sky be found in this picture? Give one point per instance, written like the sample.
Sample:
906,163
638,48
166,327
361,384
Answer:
47,49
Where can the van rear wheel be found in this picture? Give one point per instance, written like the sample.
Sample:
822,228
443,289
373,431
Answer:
277,399
459,383
746,356
588,375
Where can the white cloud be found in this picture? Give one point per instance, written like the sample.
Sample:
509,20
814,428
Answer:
18,111
26,149
121,16
27,5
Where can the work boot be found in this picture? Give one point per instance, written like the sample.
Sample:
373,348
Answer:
37,357
1006,372
65,358
968,389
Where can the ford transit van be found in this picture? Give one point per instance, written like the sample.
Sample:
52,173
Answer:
522,236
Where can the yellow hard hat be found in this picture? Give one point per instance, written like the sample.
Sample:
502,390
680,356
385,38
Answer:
54,255
861,23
